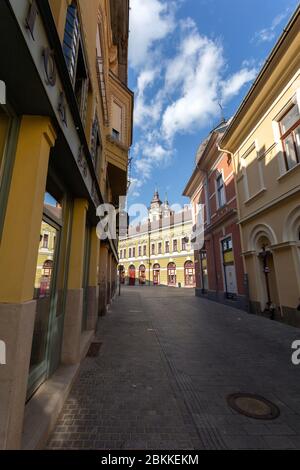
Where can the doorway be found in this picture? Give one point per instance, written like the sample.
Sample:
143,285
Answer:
131,275
156,274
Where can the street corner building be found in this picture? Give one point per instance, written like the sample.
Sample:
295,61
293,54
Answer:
262,142
65,133
159,251
218,262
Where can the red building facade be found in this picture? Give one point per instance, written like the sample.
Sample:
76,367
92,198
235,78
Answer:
218,262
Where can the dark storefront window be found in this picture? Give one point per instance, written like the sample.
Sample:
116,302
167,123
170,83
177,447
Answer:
50,287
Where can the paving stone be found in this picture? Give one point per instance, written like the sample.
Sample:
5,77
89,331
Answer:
167,363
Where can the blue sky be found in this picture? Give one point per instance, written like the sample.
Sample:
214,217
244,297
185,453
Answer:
185,57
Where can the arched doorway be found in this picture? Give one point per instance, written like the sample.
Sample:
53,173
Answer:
270,298
156,274
122,274
189,274
142,275
45,280
171,274
131,275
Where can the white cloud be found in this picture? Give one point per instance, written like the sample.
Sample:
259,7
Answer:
177,94
196,70
233,84
150,21
268,34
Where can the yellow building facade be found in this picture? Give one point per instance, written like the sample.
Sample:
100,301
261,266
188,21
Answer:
65,132
159,251
264,140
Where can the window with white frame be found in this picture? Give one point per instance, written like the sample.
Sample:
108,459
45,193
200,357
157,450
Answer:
289,126
220,190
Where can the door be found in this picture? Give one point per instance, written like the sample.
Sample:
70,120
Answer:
230,279
229,268
156,275
142,275
131,275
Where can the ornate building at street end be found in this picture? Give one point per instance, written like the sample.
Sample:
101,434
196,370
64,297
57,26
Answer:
158,251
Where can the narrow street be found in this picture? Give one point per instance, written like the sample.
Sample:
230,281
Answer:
167,362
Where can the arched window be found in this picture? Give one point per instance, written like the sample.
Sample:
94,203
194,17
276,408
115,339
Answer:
142,274
122,274
156,274
131,275
171,274
47,268
189,274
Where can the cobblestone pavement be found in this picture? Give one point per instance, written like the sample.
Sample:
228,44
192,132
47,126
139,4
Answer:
167,362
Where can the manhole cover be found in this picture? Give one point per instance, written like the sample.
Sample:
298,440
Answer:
253,406
94,349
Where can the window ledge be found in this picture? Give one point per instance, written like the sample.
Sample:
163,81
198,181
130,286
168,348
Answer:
250,199
288,172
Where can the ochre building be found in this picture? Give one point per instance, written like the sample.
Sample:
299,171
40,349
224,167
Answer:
65,132
159,252
264,141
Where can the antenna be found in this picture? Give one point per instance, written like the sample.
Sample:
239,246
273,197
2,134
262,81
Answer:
221,110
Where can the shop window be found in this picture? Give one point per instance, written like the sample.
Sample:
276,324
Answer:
50,284
290,136
220,190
